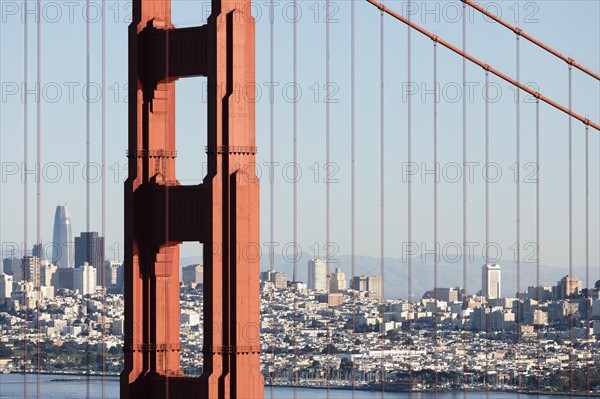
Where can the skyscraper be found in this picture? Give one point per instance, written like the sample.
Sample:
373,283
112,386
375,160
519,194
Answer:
38,250
14,267
89,247
31,270
317,275
491,281
62,246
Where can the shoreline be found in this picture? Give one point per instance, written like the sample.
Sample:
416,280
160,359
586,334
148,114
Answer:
78,376
507,391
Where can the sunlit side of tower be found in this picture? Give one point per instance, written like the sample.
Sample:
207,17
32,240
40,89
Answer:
63,251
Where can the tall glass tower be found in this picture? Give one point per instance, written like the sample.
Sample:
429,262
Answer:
63,250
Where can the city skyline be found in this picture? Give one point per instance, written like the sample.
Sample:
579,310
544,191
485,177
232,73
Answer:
423,269
326,283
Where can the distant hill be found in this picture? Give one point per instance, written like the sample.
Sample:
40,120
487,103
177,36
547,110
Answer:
449,274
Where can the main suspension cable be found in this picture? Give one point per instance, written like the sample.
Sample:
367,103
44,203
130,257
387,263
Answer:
483,65
530,38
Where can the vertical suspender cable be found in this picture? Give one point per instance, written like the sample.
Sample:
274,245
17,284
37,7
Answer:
39,252
435,208
1,188
409,181
295,136
570,226
103,144
587,244
87,173
487,206
537,227
272,135
481,64
518,168
382,181
272,176
487,164
25,190
327,136
88,181
518,193
295,184
353,167
87,117
464,187
327,165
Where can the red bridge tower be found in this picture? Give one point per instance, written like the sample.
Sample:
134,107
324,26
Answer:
222,212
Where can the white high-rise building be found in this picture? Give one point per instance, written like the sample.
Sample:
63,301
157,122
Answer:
317,275
491,281
84,279
6,285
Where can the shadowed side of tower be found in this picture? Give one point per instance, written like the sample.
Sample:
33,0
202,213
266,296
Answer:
222,212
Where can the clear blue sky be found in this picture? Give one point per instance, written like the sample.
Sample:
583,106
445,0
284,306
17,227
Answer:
571,27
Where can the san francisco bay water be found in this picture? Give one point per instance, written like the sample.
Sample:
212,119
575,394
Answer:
59,386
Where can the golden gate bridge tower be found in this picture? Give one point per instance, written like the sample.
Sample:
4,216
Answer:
222,213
